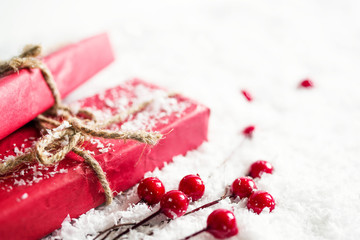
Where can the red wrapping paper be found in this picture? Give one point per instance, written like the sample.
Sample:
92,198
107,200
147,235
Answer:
25,95
36,199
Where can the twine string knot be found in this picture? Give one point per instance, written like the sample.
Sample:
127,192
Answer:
73,131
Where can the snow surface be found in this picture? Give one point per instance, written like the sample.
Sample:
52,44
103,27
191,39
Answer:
209,50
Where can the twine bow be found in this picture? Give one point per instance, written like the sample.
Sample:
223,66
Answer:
73,131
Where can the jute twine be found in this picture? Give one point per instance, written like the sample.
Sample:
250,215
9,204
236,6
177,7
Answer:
63,138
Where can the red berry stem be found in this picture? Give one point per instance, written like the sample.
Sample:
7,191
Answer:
115,227
211,203
194,234
242,187
173,204
138,224
112,228
229,157
227,194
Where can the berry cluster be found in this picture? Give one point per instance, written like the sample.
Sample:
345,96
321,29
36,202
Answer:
221,223
173,204
245,187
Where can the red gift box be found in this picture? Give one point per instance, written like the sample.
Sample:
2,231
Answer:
25,95
36,199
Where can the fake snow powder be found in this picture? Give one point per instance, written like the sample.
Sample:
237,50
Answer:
24,196
161,107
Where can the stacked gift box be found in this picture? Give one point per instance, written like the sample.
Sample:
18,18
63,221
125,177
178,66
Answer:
36,198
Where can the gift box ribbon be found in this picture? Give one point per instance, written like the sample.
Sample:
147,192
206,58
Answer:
69,134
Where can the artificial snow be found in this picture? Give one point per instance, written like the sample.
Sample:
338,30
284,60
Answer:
209,51
24,196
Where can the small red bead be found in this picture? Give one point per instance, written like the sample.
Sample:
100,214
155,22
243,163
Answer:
307,83
260,200
192,186
221,223
248,131
243,187
260,167
247,95
151,190
174,204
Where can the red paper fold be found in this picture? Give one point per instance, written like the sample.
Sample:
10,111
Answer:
25,95
36,199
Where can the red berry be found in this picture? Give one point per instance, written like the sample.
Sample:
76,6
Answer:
260,167
192,186
243,187
174,204
307,83
247,95
221,223
248,131
260,200
151,190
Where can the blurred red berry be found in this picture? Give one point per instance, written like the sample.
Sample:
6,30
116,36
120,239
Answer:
243,187
192,186
307,83
247,95
222,224
151,190
260,167
248,131
174,204
260,200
